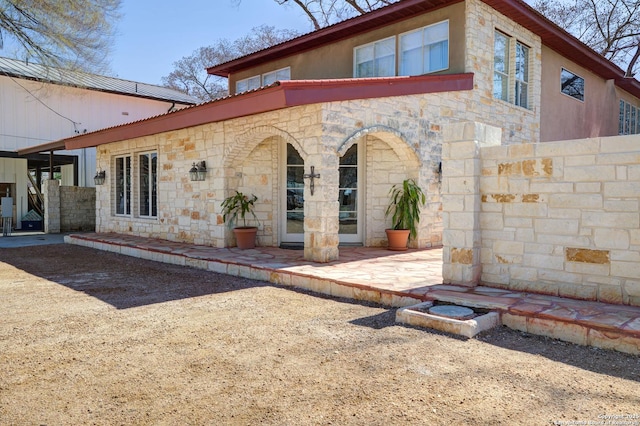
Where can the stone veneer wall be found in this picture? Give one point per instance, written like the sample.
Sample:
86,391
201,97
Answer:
77,208
68,208
560,218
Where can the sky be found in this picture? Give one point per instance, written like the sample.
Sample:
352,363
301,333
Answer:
153,34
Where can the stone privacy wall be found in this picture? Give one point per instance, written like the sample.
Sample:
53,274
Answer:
68,208
560,218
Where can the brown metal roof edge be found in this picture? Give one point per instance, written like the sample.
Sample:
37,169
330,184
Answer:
49,146
277,96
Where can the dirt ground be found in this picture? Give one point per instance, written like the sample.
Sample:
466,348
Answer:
88,337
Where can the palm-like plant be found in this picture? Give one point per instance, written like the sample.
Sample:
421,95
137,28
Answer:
238,205
404,206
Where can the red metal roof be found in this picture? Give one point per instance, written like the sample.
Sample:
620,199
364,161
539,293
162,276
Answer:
552,36
283,94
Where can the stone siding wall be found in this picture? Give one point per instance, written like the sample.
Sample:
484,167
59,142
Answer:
77,208
68,208
560,218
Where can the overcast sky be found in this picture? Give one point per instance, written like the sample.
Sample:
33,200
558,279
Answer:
153,34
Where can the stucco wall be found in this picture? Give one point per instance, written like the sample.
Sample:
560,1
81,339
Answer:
558,218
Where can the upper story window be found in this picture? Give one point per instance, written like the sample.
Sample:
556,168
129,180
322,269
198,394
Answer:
629,123
571,84
376,59
425,50
277,75
265,79
510,77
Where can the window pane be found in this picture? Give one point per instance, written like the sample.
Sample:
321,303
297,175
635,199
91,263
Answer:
348,223
148,185
621,119
501,53
295,222
295,199
522,62
242,86
123,185
438,32
348,177
437,57
283,74
364,61
268,78
294,176
254,83
571,84
500,86
411,47
292,156
350,157
385,52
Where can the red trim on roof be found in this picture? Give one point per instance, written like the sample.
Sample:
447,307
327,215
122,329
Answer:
280,95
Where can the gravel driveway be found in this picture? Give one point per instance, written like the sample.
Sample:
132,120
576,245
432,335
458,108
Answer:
89,337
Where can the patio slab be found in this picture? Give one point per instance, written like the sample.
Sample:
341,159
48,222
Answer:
396,279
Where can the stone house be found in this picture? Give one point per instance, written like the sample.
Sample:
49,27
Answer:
40,105
364,104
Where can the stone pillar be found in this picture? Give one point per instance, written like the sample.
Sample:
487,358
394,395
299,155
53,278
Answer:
321,210
461,199
51,194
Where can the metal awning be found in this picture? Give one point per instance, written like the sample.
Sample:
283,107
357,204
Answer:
45,147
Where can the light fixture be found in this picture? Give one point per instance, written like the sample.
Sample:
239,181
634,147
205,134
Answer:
99,177
198,171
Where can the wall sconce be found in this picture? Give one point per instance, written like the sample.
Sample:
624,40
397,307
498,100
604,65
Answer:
99,177
198,171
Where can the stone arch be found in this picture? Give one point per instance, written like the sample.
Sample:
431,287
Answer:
394,138
247,141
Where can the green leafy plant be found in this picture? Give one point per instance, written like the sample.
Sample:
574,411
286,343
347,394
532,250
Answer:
237,206
404,206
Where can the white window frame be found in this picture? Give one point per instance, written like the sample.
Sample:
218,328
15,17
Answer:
425,44
563,70
271,77
375,57
248,84
128,197
515,85
153,180
629,119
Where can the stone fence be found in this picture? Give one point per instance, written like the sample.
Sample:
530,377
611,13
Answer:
560,218
68,208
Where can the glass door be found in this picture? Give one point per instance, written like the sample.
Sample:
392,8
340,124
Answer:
349,197
293,219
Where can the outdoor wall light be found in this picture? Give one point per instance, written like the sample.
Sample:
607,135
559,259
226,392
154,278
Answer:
99,177
198,171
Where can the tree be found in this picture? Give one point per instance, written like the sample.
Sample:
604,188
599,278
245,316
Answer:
68,34
322,13
190,74
610,27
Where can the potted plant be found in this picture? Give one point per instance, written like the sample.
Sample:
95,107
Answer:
405,201
238,206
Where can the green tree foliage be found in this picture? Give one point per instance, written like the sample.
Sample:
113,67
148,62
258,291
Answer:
190,75
69,34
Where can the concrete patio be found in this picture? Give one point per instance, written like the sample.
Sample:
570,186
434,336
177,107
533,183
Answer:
396,279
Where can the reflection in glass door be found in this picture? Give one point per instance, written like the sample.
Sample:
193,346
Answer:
293,229
350,225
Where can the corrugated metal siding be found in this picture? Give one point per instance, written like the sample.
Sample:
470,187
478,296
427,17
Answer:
21,69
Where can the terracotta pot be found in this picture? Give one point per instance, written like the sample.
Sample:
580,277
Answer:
398,239
246,237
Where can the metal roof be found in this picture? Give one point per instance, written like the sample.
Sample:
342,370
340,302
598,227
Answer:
30,71
551,34
279,95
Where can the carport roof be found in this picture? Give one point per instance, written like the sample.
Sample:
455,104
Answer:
282,94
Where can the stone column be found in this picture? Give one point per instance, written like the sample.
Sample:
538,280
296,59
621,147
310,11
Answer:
51,194
321,210
461,199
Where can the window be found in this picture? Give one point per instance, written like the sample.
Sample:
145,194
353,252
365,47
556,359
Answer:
629,123
510,77
123,185
148,166
272,77
501,67
247,84
425,50
376,59
571,84
266,79
522,75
